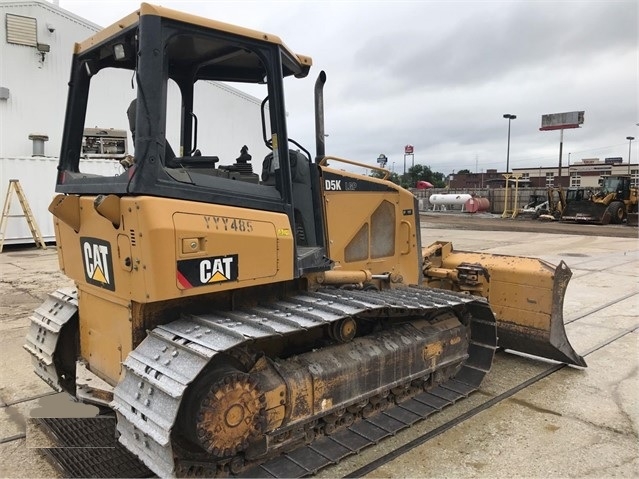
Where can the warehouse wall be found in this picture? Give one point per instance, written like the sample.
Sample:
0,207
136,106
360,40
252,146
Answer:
37,82
37,86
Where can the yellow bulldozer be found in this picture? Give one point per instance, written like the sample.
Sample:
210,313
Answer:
230,319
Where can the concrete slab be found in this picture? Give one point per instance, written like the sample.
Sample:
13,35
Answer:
12,422
15,384
573,423
18,461
567,425
508,371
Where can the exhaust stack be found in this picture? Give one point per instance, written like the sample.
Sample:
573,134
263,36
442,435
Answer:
319,117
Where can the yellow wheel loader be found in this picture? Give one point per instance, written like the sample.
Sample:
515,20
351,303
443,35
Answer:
611,203
234,320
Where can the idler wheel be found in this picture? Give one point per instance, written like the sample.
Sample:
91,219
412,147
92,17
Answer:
344,330
230,415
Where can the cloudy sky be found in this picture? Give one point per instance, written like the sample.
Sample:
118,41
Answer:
439,75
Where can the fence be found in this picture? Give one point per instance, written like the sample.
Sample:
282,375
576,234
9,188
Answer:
496,196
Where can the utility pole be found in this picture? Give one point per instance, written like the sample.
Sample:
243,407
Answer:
509,117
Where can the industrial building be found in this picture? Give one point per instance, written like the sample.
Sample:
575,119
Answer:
585,173
36,44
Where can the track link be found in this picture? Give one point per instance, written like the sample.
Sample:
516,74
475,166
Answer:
328,450
159,371
44,334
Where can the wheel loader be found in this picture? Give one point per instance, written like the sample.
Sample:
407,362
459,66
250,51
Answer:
237,325
610,203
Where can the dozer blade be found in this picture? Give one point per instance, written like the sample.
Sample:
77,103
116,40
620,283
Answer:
525,294
586,212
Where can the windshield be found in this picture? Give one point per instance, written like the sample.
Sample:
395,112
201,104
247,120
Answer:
610,184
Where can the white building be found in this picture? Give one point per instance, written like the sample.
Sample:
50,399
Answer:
33,81
36,44
588,172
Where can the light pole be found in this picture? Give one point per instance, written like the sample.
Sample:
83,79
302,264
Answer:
629,138
509,117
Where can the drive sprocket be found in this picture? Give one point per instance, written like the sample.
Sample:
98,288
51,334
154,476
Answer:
230,415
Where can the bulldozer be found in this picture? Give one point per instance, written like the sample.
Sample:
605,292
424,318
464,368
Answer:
235,325
612,202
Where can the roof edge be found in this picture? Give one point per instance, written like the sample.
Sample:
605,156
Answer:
53,9
149,9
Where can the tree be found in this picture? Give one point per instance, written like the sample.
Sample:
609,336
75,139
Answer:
464,172
394,177
423,173
413,175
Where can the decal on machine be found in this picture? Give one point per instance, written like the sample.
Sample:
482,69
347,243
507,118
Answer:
204,271
229,224
333,185
98,263
335,182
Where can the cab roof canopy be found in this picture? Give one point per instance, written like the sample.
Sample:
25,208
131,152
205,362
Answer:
198,46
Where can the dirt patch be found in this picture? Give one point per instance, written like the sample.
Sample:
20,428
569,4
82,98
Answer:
488,222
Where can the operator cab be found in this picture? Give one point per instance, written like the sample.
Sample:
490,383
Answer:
619,185
180,70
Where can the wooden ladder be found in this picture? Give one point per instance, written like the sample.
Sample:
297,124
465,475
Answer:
14,185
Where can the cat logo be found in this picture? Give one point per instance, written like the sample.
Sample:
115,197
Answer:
206,271
215,270
98,266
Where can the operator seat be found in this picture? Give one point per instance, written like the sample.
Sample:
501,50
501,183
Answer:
302,195
131,114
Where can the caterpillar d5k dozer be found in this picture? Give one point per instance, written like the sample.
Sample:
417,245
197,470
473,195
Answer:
229,322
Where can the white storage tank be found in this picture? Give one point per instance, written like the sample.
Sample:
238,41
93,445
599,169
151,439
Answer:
442,201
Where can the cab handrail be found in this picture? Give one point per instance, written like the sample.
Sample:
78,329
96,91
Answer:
324,161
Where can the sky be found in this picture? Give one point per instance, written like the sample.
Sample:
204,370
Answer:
440,75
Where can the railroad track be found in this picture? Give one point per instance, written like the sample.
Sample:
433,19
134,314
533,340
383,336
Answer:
118,462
